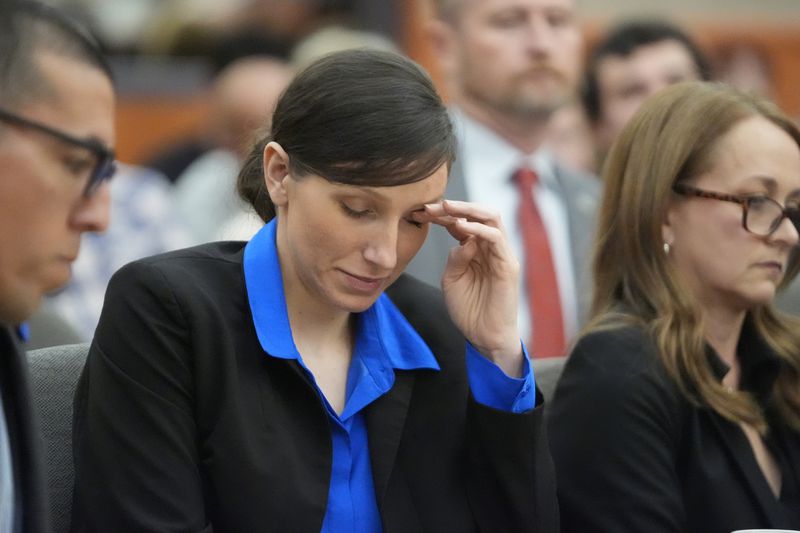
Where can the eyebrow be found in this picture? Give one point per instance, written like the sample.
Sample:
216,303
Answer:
771,185
768,182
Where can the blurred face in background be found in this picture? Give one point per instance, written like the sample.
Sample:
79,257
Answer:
517,57
43,210
726,266
625,82
244,97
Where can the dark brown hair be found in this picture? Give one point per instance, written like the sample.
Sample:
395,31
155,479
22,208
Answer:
28,28
359,117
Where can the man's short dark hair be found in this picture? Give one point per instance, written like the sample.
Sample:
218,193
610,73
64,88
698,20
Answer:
624,40
28,28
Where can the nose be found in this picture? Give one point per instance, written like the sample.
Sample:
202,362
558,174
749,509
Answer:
381,249
786,232
539,38
93,213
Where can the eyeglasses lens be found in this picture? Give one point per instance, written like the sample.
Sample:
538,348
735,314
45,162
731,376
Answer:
106,166
763,215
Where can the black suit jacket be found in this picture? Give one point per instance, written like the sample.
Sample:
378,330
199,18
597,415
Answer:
182,423
24,435
632,454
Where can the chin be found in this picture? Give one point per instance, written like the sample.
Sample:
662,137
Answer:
17,308
759,297
342,297
353,304
57,279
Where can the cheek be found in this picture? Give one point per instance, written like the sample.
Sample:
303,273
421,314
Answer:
410,240
714,248
317,240
487,55
320,240
30,222
569,51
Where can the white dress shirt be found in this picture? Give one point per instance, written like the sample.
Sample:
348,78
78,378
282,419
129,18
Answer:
7,496
489,163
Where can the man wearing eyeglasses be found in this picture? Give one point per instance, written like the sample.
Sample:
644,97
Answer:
56,129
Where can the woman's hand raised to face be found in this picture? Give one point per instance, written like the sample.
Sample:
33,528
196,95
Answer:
480,282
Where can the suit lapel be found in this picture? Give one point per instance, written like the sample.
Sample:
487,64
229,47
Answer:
581,207
386,418
24,439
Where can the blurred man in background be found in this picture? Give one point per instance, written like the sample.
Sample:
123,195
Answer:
511,64
56,129
242,101
633,61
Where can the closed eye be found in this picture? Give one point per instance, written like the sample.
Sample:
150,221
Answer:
354,213
77,165
756,199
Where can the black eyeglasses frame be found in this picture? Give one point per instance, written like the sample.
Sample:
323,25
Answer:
106,159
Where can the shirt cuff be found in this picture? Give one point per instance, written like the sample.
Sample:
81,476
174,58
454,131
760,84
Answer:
493,388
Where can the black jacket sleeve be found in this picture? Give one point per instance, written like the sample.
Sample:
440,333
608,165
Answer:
134,432
508,471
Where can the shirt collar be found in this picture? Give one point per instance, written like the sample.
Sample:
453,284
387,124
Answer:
384,337
486,155
23,332
760,365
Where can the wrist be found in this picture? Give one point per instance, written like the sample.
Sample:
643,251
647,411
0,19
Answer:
508,357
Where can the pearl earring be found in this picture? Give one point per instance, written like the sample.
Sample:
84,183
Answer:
666,248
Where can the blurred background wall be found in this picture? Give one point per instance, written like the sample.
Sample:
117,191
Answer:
166,52
723,9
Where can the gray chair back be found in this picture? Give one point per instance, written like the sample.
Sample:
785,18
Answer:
546,373
54,376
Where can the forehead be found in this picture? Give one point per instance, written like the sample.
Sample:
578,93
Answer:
467,6
79,98
755,149
404,196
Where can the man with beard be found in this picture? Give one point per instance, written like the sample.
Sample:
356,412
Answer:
511,64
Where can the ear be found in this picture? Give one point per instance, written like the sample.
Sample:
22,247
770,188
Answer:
276,172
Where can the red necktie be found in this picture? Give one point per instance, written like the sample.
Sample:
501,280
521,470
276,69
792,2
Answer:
544,300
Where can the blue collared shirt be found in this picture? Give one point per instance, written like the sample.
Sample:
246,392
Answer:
384,342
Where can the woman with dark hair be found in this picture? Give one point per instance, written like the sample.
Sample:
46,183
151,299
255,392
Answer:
274,386
679,408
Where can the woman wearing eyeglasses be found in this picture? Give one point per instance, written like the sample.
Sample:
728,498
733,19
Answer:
679,408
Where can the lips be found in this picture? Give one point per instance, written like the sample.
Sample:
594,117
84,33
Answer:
772,265
362,284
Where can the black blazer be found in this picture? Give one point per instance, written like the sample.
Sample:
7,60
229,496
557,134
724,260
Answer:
23,435
182,423
632,454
